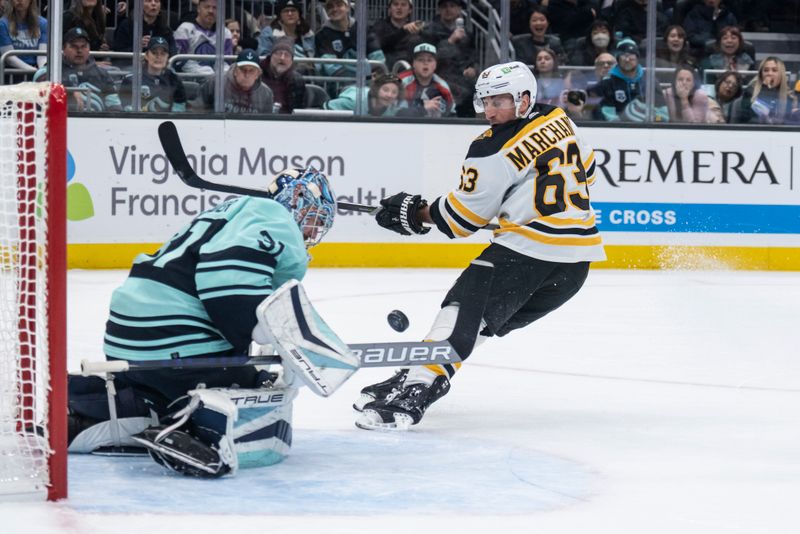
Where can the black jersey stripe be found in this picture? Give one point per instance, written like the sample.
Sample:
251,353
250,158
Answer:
160,347
461,221
147,332
439,220
259,257
165,318
215,289
240,268
561,231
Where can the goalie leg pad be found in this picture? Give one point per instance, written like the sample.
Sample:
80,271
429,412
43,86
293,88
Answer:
306,344
223,429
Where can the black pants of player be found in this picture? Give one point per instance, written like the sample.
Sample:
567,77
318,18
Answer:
140,392
523,289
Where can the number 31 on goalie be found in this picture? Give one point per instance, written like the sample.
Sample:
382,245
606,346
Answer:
468,179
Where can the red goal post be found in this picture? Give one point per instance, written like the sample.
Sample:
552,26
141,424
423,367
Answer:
33,224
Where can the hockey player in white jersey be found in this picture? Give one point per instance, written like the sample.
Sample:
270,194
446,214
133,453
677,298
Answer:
228,278
531,171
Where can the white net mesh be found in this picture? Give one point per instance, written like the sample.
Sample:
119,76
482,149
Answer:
24,350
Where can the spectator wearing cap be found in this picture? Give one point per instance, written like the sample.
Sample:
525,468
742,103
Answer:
398,34
200,37
90,16
90,87
528,45
456,55
161,89
287,85
426,93
289,24
244,90
22,28
337,39
154,23
380,99
622,91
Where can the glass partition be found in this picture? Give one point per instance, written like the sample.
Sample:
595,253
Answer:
685,61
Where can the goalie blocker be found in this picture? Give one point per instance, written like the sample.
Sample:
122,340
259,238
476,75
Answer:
307,345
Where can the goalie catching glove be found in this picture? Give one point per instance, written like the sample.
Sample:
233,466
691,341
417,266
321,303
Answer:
399,214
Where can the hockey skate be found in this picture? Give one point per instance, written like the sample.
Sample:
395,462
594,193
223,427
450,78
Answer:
403,409
382,390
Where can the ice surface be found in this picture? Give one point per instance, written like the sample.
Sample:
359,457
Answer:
656,402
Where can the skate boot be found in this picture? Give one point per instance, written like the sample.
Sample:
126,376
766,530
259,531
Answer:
381,390
404,409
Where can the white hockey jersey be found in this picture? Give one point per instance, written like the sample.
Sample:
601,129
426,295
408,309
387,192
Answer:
533,174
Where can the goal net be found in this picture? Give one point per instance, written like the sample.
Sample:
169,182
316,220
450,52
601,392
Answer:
33,401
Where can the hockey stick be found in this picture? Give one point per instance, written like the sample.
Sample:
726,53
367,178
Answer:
392,354
173,148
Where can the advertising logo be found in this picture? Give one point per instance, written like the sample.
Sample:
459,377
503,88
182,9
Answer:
79,201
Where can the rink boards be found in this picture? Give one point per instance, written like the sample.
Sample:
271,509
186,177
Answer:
665,198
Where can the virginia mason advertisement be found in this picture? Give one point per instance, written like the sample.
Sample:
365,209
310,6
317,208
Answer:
654,186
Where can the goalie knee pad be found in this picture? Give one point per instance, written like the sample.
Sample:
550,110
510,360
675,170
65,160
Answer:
307,345
223,429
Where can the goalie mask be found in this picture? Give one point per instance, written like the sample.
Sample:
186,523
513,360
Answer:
307,194
513,78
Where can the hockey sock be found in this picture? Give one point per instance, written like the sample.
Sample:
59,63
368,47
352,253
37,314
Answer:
426,374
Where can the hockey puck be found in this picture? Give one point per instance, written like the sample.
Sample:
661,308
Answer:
397,320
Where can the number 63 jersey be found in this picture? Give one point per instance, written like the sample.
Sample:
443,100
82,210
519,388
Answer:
533,174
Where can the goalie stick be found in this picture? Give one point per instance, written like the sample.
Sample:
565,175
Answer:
393,354
173,148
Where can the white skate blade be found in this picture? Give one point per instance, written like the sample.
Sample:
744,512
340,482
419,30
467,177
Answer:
361,401
371,420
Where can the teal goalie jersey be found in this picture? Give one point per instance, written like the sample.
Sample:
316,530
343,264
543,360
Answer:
197,295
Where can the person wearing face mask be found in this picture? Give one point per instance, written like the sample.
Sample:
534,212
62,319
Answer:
767,99
598,40
528,45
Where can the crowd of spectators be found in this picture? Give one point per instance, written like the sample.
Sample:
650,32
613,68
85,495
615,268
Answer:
589,57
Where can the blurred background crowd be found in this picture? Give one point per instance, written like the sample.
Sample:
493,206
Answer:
676,61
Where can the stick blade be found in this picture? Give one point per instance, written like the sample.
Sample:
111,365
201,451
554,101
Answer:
171,143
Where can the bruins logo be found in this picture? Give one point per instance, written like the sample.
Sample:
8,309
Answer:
484,135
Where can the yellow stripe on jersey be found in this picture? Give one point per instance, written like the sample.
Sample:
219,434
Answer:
578,241
532,126
465,212
589,161
562,221
455,228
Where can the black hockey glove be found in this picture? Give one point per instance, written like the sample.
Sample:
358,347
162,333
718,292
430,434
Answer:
399,214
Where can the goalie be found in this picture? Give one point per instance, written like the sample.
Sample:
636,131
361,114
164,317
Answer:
227,279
